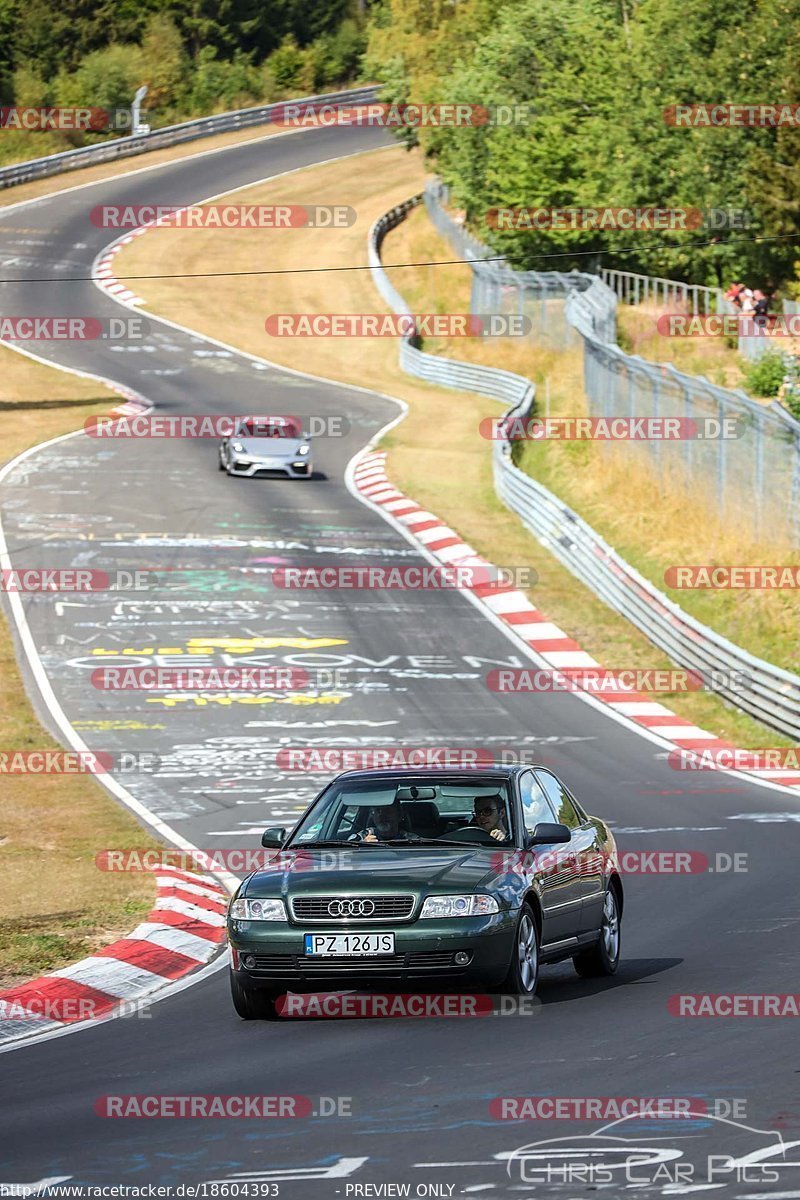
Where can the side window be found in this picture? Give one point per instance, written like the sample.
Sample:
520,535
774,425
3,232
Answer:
558,796
535,808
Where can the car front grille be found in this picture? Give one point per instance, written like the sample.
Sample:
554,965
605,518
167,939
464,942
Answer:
376,908
296,966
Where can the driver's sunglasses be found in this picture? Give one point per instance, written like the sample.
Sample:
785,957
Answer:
484,812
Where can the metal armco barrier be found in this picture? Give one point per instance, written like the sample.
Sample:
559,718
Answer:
753,479
766,692
170,135
490,381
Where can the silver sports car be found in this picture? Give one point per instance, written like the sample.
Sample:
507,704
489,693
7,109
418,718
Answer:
267,446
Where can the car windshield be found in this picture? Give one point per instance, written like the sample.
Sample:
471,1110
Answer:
270,427
409,812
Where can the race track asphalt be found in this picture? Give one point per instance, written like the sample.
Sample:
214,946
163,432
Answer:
418,1091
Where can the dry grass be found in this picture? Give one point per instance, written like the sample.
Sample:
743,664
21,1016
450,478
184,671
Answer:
713,357
436,454
613,486
55,905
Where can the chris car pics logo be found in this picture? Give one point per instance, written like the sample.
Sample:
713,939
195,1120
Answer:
704,1152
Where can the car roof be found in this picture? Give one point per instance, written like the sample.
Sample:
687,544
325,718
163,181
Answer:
433,773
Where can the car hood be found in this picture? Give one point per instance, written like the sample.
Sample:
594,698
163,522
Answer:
340,871
271,447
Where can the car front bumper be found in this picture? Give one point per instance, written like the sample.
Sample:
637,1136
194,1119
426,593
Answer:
424,954
293,468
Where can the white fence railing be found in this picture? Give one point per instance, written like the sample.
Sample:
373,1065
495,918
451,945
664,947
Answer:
170,135
766,692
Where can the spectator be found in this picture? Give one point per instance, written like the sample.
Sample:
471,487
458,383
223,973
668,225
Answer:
747,301
733,294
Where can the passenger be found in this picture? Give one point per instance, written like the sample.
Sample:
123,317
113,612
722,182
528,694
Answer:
384,825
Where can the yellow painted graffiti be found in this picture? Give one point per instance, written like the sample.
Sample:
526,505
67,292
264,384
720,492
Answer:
231,645
226,700
115,725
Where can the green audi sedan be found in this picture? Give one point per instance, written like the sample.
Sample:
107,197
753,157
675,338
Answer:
411,878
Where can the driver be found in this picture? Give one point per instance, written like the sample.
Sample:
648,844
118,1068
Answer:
384,825
486,815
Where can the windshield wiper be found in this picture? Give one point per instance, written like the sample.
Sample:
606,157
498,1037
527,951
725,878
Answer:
421,841
319,844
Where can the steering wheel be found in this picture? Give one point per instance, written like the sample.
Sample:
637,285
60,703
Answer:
471,833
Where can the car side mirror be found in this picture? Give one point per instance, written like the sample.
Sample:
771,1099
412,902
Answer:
274,837
547,833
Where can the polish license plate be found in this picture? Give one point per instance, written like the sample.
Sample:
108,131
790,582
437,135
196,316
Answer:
349,945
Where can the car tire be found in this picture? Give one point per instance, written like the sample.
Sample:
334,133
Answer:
221,464
603,957
251,1004
523,974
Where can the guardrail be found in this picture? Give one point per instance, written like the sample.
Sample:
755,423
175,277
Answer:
170,135
490,381
765,691
761,464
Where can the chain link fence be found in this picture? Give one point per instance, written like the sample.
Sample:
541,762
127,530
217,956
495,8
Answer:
766,692
752,478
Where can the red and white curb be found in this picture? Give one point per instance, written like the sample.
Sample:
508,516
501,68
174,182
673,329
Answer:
510,606
184,931
103,271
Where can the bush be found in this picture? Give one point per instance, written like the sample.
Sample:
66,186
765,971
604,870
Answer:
219,84
764,375
337,55
105,79
288,69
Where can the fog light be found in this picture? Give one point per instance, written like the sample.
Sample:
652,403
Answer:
248,961
462,958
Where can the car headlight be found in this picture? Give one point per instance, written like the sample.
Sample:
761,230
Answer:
303,449
459,906
238,447
258,910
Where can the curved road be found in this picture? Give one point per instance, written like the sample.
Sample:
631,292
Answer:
413,666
